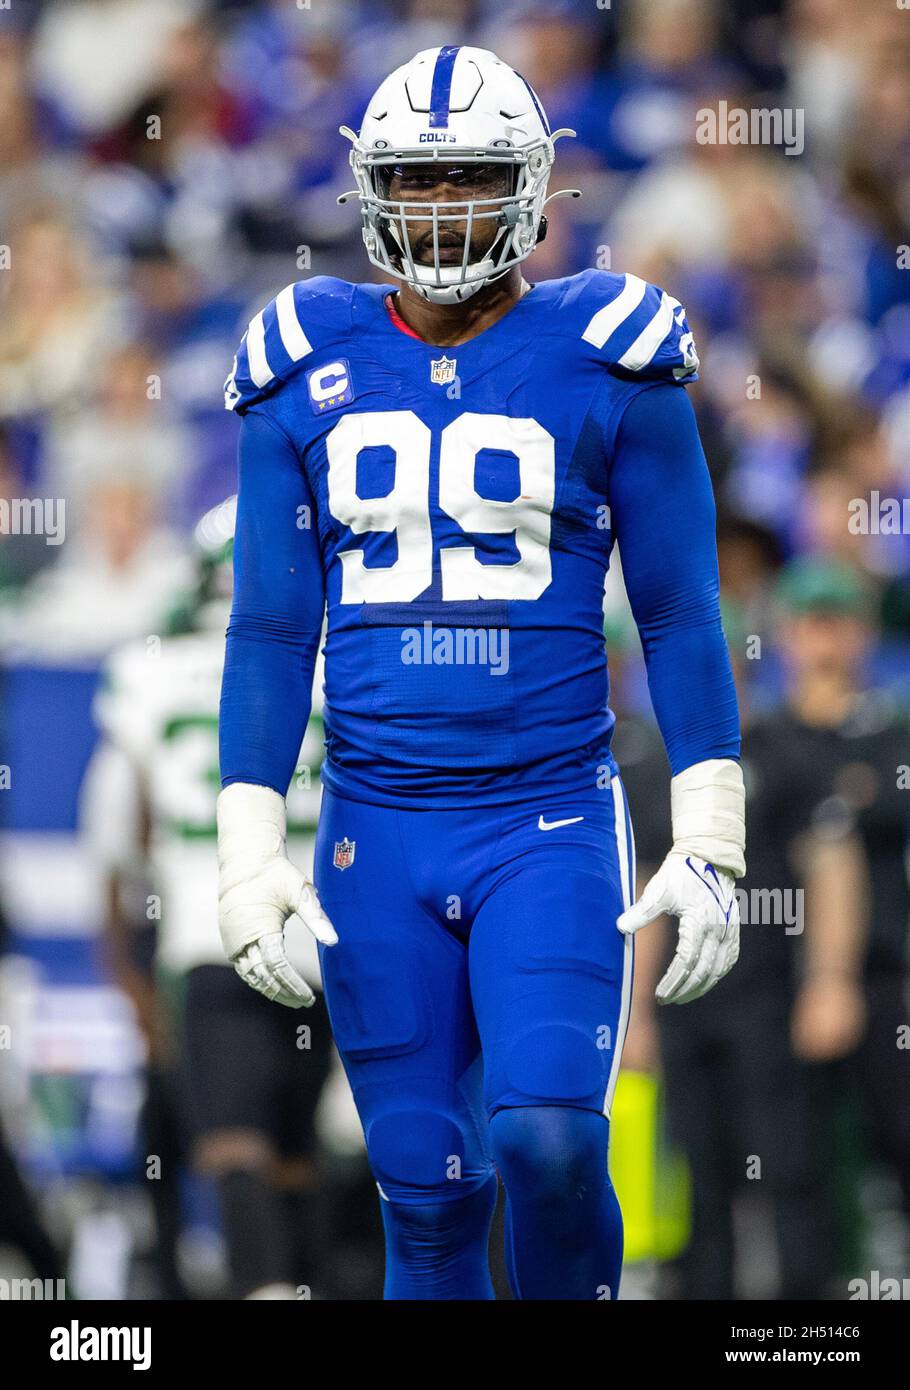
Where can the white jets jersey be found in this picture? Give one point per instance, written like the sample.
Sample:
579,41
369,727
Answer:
158,712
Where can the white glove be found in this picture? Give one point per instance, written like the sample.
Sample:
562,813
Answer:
704,900
259,889
708,809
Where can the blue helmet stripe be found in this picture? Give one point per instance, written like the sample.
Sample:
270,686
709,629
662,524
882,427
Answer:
537,106
441,89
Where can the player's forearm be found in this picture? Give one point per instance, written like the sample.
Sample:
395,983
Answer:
692,692
265,704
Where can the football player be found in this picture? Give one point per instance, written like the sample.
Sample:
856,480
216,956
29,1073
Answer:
445,462
249,1080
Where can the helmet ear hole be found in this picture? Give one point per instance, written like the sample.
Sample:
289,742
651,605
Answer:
542,228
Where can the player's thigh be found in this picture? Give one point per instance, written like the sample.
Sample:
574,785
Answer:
398,995
551,975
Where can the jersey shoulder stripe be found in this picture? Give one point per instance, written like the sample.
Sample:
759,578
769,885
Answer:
302,317
635,328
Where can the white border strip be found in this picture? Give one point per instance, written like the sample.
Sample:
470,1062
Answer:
625,848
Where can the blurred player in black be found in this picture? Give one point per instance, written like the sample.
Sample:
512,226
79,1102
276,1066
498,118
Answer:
752,1074
845,750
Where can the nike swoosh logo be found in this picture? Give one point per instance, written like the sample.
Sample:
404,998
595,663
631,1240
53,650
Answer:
701,878
555,824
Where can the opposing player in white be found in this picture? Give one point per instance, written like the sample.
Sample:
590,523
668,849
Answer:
228,1071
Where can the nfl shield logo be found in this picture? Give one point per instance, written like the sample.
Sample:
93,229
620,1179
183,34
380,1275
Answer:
442,371
344,853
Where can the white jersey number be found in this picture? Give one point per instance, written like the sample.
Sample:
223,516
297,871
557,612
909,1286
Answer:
406,508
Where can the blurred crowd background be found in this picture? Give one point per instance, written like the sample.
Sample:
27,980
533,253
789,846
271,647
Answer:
165,167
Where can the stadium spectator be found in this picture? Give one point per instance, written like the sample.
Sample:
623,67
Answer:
57,318
117,579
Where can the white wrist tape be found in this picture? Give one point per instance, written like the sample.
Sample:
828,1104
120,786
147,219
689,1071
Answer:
252,823
708,809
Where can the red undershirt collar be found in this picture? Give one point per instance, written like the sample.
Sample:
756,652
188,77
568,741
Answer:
398,320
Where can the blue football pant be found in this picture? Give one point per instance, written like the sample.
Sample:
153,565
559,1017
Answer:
479,997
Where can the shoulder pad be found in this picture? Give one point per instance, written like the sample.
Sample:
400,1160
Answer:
636,329
304,316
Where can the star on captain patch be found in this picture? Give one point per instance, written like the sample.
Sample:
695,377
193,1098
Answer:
442,371
344,853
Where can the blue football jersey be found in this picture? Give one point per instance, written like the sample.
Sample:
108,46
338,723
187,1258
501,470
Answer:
461,501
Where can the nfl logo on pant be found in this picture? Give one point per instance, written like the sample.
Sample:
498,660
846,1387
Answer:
344,853
442,371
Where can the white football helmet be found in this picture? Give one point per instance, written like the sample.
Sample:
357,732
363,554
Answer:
453,106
